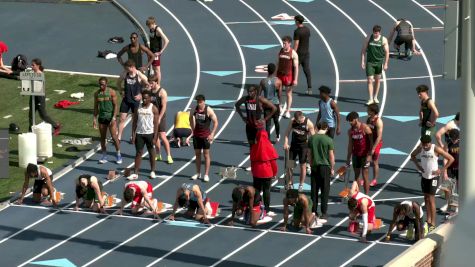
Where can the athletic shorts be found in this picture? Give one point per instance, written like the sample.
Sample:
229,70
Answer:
156,61
298,210
251,133
181,132
427,131
298,151
453,173
91,195
200,143
104,121
404,40
193,205
163,124
377,150
331,132
125,106
139,199
287,80
429,186
38,185
359,162
373,69
143,139
372,215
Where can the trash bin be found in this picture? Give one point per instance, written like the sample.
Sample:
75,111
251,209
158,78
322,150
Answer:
26,149
44,139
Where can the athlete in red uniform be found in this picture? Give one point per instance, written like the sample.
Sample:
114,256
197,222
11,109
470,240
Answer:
140,194
288,70
360,142
376,124
360,203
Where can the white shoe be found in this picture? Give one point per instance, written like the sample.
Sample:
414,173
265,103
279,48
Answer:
133,176
371,101
315,224
287,115
206,178
444,208
196,176
248,169
309,169
271,214
277,139
376,100
322,221
300,187
103,159
152,175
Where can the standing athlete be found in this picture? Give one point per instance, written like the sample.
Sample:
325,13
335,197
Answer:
360,142
375,123
158,42
271,88
203,136
428,112
134,52
301,45
288,70
159,99
328,111
105,113
376,49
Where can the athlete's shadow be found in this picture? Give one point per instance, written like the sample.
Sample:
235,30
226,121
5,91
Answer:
351,100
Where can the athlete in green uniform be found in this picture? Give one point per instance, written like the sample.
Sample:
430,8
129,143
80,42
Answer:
428,112
376,50
105,112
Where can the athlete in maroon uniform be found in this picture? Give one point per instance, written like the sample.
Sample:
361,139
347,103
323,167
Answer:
376,124
360,142
288,70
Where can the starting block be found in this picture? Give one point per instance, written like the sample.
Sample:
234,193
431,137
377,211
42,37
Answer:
345,172
212,209
57,196
110,200
260,69
378,223
112,175
282,16
228,172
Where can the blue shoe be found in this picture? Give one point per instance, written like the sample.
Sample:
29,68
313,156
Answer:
103,159
119,159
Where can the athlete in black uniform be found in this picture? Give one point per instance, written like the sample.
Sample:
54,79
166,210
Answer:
158,42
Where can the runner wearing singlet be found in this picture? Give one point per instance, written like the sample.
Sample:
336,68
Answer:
43,185
246,200
362,204
430,172
288,70
134,52
328,112
404,35
376,50
360,142
301,128
194,197
89,188
375,123
203,136
140,193
428,112
271,88
405,213
158,43
182,132
159,99
130,85
145,132
303,215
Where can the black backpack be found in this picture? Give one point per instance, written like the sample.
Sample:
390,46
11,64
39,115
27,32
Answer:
19,63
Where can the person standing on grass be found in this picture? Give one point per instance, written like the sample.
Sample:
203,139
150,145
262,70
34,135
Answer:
3,68
158,43
375,123
428,112
360,142
301,128
288,70
40,102
203,136
145,132
322,161
133,81
159,99
302,45
271,88
430,172
328,112
263,166
43,185
374,59
105,113
134,52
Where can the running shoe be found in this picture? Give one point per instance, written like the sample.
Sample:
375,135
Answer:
315,224
248,169
277,139
375,100
169,160
309,91
271,214
371,101
444,208
309,169
103,159
287,115
158,157
118,160
206,178
426,229
152,175
373,182
300,187
133,176
323,219
196,176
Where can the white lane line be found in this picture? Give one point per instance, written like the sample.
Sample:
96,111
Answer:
428,11
82,73
393,78
428,29
335,65
263,20
244,22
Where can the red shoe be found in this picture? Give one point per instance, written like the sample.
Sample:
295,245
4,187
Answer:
361,182
373,182
57,130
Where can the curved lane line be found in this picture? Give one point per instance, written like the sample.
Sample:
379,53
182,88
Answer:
428,11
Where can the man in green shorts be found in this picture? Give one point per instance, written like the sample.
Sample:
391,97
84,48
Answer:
376,49
105,113
428,112
302,211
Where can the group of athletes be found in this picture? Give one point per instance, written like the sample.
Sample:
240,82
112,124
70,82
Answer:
311,144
